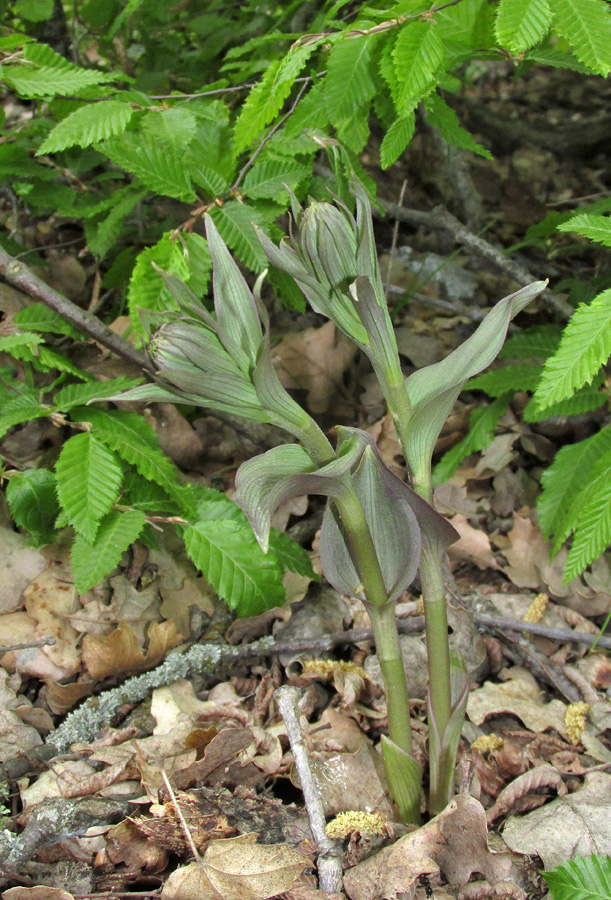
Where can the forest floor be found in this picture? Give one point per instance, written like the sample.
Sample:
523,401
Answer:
534,771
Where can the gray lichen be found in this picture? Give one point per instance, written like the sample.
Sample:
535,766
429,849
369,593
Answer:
85,723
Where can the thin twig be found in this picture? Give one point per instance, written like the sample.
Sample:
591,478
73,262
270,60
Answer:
329,862
266,140
229,90
45,642
185,827
22,277
555,634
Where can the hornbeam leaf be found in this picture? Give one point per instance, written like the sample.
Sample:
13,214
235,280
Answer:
117,531
88,482
231,560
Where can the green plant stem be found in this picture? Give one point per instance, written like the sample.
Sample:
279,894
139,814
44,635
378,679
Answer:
436,619
317,444
382,615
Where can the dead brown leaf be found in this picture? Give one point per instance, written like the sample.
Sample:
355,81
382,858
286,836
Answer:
314,360
456,841
473,546
19,565
237,869
51,601
575,825
40,892
113,653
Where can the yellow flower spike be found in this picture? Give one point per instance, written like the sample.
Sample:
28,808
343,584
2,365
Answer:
346,823
488,743
575,721
537,608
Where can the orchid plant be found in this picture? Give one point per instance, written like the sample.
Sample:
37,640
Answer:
377,530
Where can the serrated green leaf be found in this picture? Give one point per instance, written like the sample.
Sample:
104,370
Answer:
21,409
482,423
34,10
45,73
188,259
80,394
541,341
520,24
48,359
88,125
117,532
102,234
268,178
40,317
584,878
230,559
585,346
33,502
509,378
443,117
597,228
174,128
349,84
396,139
585,400
417,57
586,25
135,441
593,531
157,166
139,493
88,482
266,100
291,556
14,342
563,482
234,222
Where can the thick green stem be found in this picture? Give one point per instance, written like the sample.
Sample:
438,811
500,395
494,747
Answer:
436,618
382,615
316,443
438,656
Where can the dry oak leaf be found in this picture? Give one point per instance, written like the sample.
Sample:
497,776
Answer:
455,841
473,546
119,651
20,564
575,825
237,869
521,697
51,601
314,360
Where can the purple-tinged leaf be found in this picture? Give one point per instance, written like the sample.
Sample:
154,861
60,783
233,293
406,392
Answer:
433,390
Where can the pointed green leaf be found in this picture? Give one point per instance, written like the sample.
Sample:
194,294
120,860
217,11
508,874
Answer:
349,84
593,531
235,224
597,228
40,317
563,483
232,561
382,344
396,139
443,117
433,390
584,878
81,394
129,435
159,168
239,327
33,502
405,780
291,556
509,378
482,423
21,409
117,532
392,524
520,24
585,346
417,56
586,25
88,482
88,125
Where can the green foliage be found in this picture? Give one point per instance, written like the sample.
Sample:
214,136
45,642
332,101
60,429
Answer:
88,482
116,533
482,422
583,878
33,503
